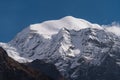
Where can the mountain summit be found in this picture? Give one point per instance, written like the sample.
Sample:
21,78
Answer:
49,28
81,50
52,27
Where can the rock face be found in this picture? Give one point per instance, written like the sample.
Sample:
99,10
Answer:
79,49
48,69
12,70
108,70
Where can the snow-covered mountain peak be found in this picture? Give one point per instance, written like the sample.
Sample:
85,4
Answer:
58,38
49,28
69,17
69,43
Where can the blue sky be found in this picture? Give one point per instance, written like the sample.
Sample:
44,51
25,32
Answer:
15,15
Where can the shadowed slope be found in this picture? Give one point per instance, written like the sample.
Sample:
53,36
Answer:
12,70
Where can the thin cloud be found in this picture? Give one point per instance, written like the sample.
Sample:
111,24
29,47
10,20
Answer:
114,28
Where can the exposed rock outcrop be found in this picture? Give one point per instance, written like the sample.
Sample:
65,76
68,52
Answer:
12,70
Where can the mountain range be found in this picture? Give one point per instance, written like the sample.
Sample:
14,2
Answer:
79,49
